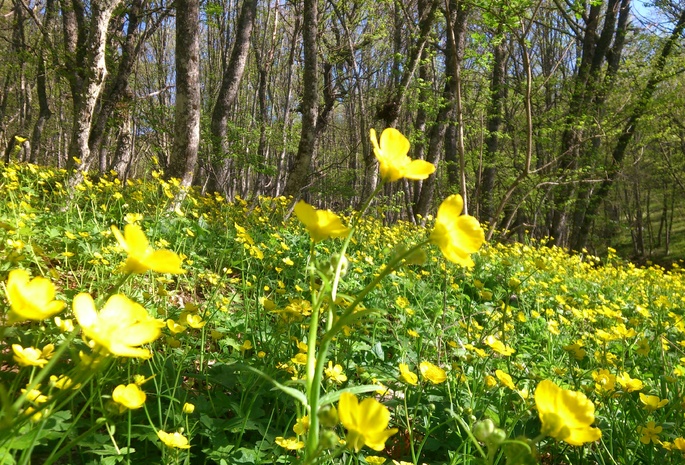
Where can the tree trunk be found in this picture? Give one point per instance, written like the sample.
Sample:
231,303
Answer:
619,152
123,156
117,93
494,125
187,119
589,94
44,112
230,84
456,15
85,43
297,179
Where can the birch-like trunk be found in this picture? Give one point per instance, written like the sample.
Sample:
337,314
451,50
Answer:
88,74
187,124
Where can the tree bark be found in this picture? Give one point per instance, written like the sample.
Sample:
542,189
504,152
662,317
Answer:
187,119
619,151
85,40
117,93
494,126
230,84
310,101
598,49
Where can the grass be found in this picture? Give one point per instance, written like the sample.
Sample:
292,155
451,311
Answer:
227,373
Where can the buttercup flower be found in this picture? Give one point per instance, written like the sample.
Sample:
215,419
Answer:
301,425
505,379
457,235
129,396
121,326
391,153
321,224
629,384
432,373
605,381
174,440
289,443
31,299
498,346
335,373
366,422
565,415
188,408
490,382
407,375
649,433
652,403
63,382
30,356
141,256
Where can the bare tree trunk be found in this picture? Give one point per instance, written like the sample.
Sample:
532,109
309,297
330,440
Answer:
86,47
281,175
310,101
457,16
589,94
44,113
619,151
230,83
117,93
123,156
494,124
187,122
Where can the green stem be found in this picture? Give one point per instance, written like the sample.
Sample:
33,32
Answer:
313,381
389,268
353,227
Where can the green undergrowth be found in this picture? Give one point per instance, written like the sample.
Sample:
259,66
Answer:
236,327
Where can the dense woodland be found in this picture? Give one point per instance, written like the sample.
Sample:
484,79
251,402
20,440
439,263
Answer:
556,117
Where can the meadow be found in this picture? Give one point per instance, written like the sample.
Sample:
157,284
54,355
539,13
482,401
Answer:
247,333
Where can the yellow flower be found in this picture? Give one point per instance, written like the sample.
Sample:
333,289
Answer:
432,373
629,384
121,326
129,396
32,357
35,396
649,433
302,425
321,224
498,346
505,379
652,403
141,256
375,460
366,422
407,375
63,382
289,443
31,299
565,415
391,153
188,408
679,444
457,235
489,381
335,373
194,321
174,440
605,380
174,327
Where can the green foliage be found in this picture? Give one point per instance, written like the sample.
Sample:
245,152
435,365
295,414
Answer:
238,319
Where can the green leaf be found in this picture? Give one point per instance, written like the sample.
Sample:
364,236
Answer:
292,392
